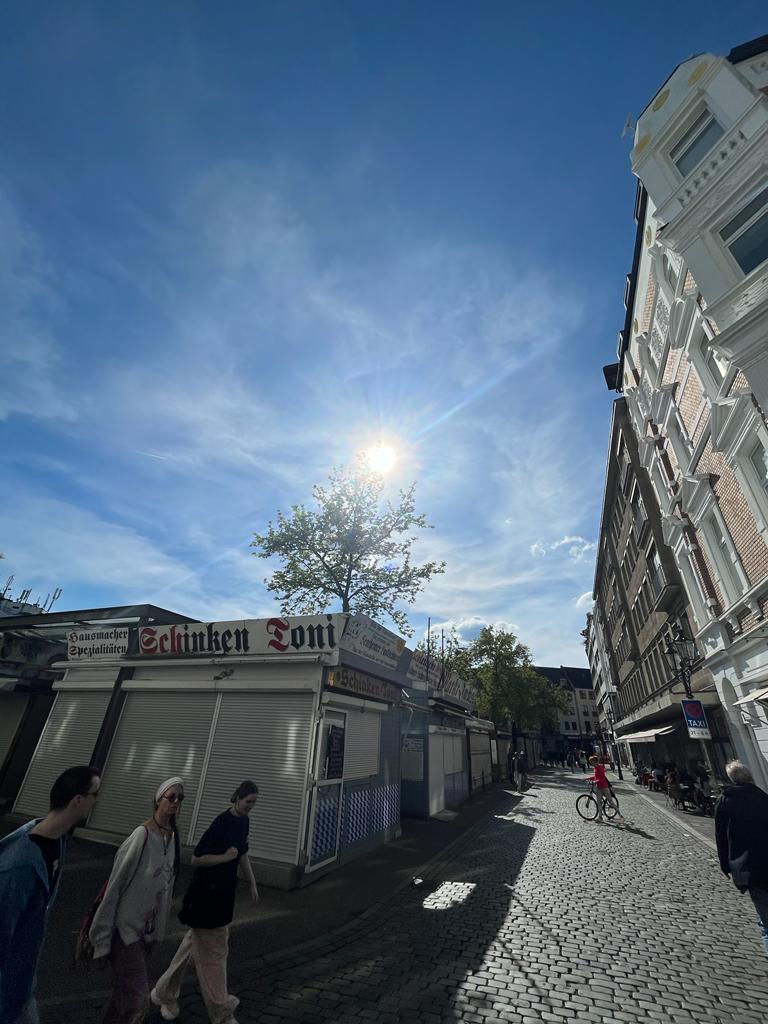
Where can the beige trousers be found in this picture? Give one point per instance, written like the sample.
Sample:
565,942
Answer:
207,948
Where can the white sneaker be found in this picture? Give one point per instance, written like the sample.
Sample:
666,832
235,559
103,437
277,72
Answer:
168,1011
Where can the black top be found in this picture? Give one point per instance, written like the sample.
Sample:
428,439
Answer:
210,900
741,828
51,851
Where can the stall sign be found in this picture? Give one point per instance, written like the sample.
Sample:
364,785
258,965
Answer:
452,688
363,685
371,640
84,644
696,720
424,670
280,635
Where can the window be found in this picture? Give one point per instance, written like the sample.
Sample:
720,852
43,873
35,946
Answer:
721,548
759,459
696,143
655,572
746,235
568,725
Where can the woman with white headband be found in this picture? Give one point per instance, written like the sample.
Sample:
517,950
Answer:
134,910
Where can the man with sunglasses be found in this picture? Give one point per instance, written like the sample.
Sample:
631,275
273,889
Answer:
30,868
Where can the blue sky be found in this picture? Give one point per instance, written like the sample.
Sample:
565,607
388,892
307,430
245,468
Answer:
240,241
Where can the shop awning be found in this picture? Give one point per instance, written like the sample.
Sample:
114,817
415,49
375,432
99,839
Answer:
647,736
755,695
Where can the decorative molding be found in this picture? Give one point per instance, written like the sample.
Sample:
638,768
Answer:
696,495
732,421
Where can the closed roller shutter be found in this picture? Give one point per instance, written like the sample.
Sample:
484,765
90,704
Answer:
361,744
12,708
68,739
159,735
480,751
264,737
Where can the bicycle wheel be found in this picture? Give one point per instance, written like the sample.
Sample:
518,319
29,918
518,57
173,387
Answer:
610,810
586,805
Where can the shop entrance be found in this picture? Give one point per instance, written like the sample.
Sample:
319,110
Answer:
327,793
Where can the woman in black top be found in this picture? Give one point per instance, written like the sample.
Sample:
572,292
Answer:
208,909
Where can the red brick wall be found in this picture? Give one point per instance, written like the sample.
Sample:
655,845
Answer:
645,320
749,544
689,401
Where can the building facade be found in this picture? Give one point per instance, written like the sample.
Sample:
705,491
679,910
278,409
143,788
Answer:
578,727
685,521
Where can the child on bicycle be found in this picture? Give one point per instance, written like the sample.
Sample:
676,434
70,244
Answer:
603,789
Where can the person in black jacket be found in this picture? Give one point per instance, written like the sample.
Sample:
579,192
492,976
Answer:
741,827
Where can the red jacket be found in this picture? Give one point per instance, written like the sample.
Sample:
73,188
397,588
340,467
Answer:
599,778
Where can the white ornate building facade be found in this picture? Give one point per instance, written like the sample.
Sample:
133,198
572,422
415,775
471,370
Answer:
693,369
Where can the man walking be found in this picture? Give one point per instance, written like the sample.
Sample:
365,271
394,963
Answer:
741,829
30,867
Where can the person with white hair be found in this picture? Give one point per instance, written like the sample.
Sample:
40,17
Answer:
741,829
133,912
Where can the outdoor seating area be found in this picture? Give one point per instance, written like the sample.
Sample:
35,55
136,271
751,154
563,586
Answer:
688,789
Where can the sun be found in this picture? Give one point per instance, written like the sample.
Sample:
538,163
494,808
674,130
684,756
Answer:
380,458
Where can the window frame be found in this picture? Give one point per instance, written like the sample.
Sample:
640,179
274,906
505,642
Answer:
704,116
762,213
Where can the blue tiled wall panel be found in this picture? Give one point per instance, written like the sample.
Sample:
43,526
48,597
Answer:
326,822
369,809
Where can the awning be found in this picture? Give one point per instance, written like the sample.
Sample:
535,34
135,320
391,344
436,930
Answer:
755,695
648,736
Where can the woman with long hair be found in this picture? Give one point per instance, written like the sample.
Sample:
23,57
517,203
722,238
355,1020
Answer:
133,913
208,909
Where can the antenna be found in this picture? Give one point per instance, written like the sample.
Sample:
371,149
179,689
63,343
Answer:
6,589
629,126
54,598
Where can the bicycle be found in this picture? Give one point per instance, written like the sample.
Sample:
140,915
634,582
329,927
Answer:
586,805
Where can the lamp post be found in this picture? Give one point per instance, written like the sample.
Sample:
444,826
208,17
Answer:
609,714
681,655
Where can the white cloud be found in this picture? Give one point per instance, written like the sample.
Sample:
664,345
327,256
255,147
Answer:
578,547
30,381
585,600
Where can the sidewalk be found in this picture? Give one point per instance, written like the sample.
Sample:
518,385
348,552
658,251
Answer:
280,920
701,825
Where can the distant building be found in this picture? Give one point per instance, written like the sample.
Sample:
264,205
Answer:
578,726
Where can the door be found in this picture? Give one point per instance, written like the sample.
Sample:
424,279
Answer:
326,797
437,772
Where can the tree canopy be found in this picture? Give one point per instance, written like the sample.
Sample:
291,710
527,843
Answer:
511,694
353,547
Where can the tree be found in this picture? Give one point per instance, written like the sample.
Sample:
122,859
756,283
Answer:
353,547
511,693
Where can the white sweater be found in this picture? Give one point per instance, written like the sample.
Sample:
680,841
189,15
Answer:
140,911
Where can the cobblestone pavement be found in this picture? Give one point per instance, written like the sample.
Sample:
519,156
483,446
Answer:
532,916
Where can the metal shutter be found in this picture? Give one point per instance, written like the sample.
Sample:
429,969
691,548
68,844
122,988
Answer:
361,744
12,708
159,735
68,739
264,737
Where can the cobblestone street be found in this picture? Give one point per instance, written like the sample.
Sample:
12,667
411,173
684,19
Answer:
534,915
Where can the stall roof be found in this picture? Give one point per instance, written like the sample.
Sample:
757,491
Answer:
130,613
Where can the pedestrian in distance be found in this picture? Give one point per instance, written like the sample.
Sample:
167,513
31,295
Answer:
208,909
31,859
511,766
603,789
741,830
522,767
133,913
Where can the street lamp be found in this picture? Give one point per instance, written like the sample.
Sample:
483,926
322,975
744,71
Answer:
609,715
680,655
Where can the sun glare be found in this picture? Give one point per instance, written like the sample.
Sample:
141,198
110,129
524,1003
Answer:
381,458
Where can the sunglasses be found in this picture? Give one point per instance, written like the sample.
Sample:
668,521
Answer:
174,798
